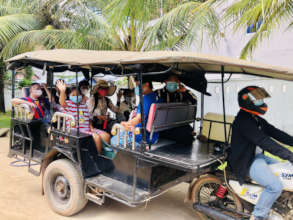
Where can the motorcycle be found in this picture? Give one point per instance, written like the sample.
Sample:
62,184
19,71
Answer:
221,197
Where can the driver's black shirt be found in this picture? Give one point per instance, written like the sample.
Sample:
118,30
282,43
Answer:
248,132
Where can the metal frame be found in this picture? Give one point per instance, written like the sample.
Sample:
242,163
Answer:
223,100
143,147
138,156
12,109
77,94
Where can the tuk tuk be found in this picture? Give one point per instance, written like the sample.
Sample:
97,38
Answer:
72,171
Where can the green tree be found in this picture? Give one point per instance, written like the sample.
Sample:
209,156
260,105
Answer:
268,13
14,19
18,16
27,81
134,25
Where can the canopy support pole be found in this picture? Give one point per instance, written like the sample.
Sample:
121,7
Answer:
50,83
12,109
91,75
77,94
201,112
143,143
223,99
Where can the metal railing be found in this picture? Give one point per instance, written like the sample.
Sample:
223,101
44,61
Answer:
116,130
63,118
23,112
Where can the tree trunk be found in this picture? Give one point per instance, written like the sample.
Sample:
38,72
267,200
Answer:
2,72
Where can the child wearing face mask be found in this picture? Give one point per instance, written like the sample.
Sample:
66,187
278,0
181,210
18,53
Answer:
84,89
128,105
39,105
99,104
75,104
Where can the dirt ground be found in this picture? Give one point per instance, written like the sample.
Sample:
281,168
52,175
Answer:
20,198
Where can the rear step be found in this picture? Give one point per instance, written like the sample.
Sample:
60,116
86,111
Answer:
213,213
36,159
34,171
117,190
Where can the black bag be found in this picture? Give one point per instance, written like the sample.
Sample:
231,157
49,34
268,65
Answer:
99,126
111,121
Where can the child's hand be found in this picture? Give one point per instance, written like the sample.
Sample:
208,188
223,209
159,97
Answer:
61,85
127,126
31,105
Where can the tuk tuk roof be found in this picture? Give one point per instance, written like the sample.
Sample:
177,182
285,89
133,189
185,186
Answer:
185,61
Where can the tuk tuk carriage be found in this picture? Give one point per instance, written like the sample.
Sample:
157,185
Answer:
71,169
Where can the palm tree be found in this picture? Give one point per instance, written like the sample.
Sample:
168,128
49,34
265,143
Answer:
14,18
29,16
266,14
134,25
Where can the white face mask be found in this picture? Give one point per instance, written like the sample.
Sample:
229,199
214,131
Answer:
85,92
37,93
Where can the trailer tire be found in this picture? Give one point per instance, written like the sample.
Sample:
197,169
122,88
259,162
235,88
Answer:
64,188
209,179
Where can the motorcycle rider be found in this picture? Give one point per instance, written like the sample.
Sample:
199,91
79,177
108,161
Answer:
251,136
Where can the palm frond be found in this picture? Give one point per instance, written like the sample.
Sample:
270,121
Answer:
50,39
271,13
143,11
187,23
11,25
8,7
72,13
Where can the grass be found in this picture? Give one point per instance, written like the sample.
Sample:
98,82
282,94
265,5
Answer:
5,120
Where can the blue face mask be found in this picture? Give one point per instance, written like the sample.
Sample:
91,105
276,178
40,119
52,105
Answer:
136,91
171,86
75,99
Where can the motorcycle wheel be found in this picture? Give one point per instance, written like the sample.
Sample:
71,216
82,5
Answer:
204,191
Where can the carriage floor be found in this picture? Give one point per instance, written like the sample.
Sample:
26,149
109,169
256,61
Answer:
191,157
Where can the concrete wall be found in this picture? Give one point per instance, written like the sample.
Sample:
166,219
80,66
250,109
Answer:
277,50
280,105
7,95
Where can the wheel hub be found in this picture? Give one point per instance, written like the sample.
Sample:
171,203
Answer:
61,187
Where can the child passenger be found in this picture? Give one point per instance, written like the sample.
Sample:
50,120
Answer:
70,107
149,97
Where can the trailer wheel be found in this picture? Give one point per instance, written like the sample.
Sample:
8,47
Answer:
64,188
204,191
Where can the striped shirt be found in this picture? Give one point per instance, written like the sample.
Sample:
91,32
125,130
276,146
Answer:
84,119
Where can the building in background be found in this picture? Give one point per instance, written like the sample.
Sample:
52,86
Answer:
277,50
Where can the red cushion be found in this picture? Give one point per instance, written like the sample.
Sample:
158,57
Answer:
151,118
